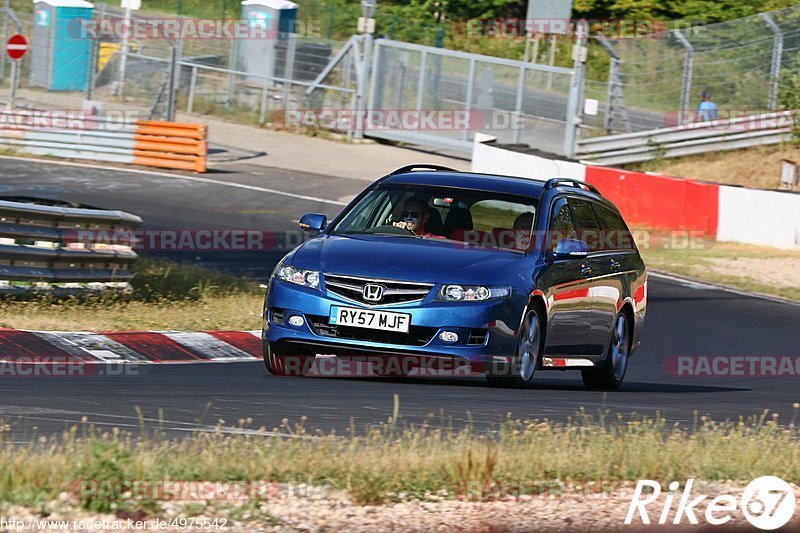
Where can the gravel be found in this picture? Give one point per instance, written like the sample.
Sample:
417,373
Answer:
313,508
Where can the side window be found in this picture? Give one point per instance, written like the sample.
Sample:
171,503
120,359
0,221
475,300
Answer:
561,224
587,223
616,235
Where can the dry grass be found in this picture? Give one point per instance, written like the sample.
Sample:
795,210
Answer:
165,296
235,312
390,464
751,268
754,167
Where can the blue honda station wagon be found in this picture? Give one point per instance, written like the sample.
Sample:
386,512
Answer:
434,268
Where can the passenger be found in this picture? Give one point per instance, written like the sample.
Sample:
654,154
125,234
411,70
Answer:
523,222
522,229
414,217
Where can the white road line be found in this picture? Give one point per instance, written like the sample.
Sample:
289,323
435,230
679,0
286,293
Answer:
178,176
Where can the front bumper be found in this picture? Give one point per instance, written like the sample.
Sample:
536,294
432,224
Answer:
486,330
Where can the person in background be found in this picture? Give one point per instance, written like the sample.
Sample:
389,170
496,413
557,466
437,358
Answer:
707,110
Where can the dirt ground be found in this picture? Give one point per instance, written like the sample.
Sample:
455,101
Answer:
758,168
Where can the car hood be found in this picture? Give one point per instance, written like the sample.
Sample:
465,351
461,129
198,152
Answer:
408,259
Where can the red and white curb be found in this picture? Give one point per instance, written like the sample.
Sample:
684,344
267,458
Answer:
140,347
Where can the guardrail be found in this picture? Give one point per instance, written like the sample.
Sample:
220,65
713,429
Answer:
169,145
704,137
49,249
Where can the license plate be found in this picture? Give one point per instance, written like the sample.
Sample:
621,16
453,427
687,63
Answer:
366,318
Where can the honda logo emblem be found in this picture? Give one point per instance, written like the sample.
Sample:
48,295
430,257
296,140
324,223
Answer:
373,293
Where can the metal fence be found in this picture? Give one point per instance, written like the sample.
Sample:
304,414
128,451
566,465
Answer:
745,65
515,101
652,83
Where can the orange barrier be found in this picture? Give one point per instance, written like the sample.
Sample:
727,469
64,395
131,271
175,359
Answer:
171,145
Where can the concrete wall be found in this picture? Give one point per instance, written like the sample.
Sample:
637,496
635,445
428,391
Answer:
770,218
651,201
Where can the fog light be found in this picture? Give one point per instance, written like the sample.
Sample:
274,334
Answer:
296,321
448,336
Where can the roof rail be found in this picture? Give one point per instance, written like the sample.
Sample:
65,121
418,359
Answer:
409,168
555,182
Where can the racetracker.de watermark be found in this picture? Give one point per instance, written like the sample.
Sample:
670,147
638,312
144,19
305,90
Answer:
255,240
59,367
733,366
112,120
188,28
403,119
516,28
185,240
183,491
733,119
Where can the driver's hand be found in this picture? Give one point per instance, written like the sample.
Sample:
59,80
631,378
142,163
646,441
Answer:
400,224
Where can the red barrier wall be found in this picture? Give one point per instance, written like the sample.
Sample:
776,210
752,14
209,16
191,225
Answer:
659,202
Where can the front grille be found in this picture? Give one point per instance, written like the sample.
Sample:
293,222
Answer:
394,292
416,336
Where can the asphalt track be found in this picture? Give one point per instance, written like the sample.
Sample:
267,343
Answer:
684,319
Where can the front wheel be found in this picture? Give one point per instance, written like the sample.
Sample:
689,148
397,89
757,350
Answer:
609,376
529,349
281,364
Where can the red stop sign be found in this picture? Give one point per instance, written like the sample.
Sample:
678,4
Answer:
16,46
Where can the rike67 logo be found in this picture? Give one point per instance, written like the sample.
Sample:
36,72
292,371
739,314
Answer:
767,503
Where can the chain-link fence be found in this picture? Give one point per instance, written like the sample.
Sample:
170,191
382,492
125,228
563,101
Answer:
744,66
206,75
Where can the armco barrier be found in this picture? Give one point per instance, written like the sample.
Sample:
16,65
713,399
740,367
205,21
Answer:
679,141
41,248
149,143
652,201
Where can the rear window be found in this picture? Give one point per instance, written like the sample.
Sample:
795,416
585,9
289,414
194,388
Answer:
615,234
587,223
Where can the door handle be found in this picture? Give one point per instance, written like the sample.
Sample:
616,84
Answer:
615,265
586,271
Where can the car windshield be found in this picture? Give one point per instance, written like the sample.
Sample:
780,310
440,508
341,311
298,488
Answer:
475,218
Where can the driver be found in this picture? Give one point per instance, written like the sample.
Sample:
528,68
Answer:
414,217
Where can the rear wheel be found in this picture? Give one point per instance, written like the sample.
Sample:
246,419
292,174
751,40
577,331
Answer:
283,364
529,349
609,376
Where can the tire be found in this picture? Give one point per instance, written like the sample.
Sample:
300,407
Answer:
610,375
280,364
529,353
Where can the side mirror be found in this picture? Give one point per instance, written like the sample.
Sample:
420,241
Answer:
313,223
570,249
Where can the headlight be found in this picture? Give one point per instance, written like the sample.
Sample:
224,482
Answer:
298,276
471,293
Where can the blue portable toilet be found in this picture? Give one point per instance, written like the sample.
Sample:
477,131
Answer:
278,19
61,48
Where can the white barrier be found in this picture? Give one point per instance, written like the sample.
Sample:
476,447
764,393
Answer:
490,159
750,216
768,218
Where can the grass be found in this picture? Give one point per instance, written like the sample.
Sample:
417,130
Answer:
165,296
758,167
390,463
746,267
